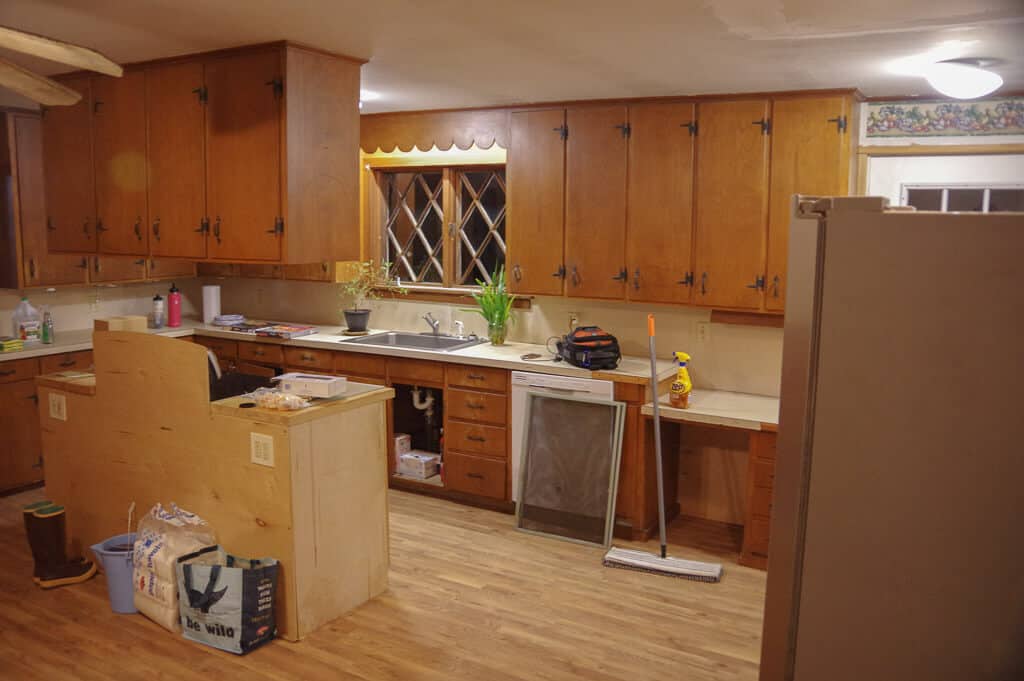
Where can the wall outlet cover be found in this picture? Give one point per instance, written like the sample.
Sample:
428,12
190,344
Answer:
58,406
261,449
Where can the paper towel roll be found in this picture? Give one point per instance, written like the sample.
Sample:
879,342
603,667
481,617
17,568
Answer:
211,303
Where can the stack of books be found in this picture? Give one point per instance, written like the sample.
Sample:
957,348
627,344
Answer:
11,344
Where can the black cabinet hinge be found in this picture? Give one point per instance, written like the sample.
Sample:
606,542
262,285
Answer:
202,94
626,130
840,122
278,86
563,131
766,125
691,126
278,226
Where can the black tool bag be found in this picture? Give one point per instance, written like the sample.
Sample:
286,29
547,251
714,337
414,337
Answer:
590,347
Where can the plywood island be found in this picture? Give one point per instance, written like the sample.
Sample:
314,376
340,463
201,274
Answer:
307,487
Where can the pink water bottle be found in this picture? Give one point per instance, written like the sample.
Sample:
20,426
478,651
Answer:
174,307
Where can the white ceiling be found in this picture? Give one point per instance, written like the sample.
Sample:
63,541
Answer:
458,53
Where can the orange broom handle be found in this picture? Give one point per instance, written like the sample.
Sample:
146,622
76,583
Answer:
650,325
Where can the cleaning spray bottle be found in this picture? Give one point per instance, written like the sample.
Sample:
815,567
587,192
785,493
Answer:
679,393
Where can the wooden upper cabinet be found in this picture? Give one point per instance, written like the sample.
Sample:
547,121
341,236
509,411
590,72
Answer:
67,158
119,152
177,183
108,268
38,266
595,202
243,155
536,202
732,204
811,146
659,230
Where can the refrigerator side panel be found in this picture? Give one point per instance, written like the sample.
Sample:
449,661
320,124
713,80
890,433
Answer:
911,565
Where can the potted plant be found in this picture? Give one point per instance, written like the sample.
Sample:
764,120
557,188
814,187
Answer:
368,282
495,305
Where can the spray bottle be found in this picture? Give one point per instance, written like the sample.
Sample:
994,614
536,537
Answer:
679,393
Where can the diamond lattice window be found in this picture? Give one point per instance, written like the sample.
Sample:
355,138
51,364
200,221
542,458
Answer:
444,226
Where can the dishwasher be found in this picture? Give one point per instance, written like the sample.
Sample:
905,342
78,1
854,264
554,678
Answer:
524,383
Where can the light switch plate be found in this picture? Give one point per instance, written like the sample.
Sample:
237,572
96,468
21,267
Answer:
261,450
58,406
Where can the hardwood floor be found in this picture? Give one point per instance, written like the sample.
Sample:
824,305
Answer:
470,598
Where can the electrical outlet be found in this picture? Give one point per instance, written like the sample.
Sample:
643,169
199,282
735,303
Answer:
574,320
703,332
261,449
58,406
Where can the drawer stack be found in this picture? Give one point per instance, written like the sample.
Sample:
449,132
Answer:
476,431
760,484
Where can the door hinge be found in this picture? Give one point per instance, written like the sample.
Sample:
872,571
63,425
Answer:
563,131
278,226
687,280
202,94
278,86
691,126
623,275
840,122
624,127
766,125
560,272
758,282
96,105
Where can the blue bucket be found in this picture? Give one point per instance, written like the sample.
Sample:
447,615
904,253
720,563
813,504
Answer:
116,561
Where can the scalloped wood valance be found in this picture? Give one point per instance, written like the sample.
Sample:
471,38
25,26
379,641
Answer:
427,129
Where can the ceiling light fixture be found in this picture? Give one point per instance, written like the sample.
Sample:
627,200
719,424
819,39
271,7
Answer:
963,78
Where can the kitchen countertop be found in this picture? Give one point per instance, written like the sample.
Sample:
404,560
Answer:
356,395
508,356
723,408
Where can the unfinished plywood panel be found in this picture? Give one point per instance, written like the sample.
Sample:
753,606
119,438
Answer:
713,473
148,435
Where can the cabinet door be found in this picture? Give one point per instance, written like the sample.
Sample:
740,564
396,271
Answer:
19,422
67,162
595,202
39,266
165,268
535,220
109,268
732,204
810,155
659,229
243,155
119,152
177,172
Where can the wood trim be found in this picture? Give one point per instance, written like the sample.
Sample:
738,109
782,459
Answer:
940,149
747,318
450,296
929,98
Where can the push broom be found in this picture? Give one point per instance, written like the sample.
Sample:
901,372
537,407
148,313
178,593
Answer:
648,562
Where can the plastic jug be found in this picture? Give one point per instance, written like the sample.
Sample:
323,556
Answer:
27,323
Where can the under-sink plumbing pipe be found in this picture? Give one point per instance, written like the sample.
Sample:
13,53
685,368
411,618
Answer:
425,405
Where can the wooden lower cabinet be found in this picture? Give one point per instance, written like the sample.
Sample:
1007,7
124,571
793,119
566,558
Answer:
21,457
476,475
66,361
760,486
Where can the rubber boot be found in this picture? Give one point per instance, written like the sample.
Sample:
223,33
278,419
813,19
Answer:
46,525
33,543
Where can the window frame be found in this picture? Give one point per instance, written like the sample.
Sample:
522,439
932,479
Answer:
451,187
945,187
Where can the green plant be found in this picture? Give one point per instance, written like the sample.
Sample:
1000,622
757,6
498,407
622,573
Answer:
368,282
494,300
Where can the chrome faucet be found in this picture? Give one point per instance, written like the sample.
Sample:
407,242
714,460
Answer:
434,324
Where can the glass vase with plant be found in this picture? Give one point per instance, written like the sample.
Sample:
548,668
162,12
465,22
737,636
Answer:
495,305
368,282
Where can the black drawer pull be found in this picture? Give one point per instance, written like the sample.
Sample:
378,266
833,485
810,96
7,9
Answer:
475,377
475,405
68,363
476,438
307,358
258,353
9,372
475,476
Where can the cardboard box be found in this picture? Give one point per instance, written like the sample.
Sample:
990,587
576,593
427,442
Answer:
132,322
312,385
418,464
403,443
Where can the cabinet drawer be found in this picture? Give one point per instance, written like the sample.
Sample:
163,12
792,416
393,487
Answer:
764,473
310,359
474,475
478,439
261,352
495,380
369,380
68,361
361,365
18,370
415,371
223,348
476,406
761,502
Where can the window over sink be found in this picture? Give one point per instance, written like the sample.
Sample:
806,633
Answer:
443,226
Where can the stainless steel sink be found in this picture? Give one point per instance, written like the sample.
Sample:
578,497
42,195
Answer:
415,341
